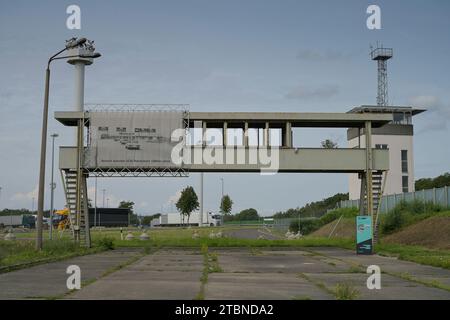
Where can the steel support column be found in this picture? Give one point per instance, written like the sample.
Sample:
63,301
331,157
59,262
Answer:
369,157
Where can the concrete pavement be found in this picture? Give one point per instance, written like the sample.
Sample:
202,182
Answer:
243,273
49,280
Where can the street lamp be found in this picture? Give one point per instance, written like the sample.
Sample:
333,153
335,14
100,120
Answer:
52,186
104,190
222,186
71,45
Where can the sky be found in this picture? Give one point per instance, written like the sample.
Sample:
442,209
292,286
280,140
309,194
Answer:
295,56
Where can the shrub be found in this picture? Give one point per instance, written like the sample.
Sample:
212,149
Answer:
336,214
406,213
311,225
394,220
344,291
306,226
106,243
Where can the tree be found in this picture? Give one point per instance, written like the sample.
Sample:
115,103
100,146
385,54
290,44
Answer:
430,183
247,214
313,209
226,204
147,220
329,144
187,202
134,219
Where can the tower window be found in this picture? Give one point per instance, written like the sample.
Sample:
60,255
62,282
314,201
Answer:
405,184
381,146
405,161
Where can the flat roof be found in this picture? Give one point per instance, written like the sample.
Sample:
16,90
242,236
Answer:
298,119
387,109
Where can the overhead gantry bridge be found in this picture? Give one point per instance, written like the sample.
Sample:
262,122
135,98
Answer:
368,162
291,159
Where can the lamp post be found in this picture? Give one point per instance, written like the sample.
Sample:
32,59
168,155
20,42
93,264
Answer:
95,203
71,44
104,190
222,186
52,186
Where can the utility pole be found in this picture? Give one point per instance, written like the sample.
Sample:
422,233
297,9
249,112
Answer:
52,186
95,203
222,187
70,44
104,190
201,199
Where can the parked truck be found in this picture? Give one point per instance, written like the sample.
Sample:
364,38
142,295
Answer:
23,220
175,219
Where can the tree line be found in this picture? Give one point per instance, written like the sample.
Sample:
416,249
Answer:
430,183
313,209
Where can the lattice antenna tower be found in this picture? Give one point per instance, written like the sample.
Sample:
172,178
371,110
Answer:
382,55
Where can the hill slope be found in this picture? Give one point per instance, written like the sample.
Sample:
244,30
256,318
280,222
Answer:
433,232
345,229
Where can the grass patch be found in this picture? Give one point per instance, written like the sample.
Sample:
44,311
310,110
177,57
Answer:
318,284
422,255
355,269
428,283
345,291
17,254
210,265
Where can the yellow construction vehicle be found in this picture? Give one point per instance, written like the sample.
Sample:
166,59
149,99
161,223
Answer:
64,221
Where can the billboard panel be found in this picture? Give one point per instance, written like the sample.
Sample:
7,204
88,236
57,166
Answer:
132,139
364,235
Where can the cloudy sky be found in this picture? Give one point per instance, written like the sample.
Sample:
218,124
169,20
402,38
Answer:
229,55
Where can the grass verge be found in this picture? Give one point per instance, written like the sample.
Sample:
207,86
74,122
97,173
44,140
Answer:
16,255
422,255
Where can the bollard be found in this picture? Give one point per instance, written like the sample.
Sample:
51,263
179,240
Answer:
144,236
10,236
129,236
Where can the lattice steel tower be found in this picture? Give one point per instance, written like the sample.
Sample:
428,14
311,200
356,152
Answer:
382,55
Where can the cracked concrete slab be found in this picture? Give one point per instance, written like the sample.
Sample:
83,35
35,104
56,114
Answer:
49,280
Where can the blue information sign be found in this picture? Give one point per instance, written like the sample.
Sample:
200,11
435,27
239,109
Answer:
364,235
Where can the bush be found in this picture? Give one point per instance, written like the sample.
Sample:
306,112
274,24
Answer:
336,214
345,291
306,226
311,225
106,243
394,220
406,213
